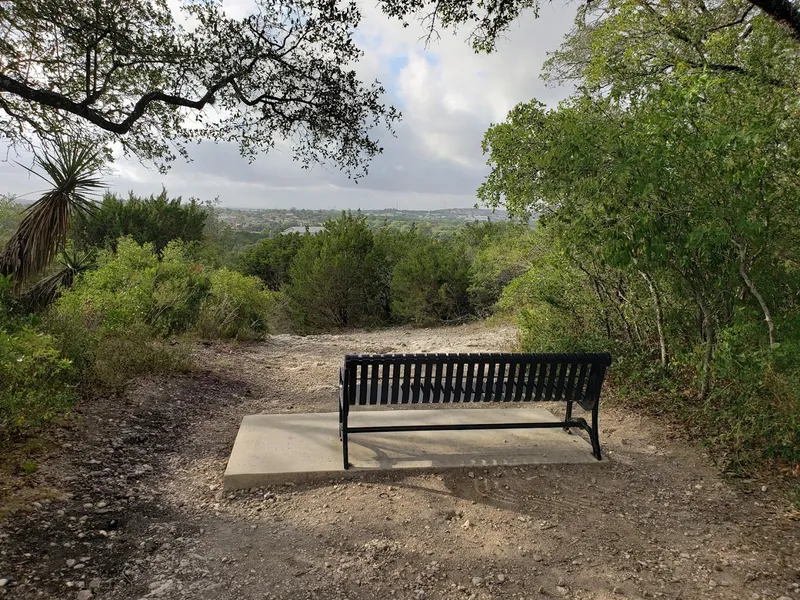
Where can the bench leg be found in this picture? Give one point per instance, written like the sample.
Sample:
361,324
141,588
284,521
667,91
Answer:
568,416
594,434
344,438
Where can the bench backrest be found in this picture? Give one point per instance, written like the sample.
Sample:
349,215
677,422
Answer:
372,379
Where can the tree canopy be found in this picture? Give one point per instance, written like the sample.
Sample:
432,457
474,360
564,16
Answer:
490,19
674,165
152,79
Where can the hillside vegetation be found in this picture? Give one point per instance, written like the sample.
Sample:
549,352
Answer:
141,278
667,233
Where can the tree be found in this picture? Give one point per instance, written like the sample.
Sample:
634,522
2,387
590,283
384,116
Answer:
489,19
271,259
140,75
336,277
625,46
670,187
156,220
429,284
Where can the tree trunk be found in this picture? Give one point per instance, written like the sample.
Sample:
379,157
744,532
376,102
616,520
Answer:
708,333
603,311
754,290
662,341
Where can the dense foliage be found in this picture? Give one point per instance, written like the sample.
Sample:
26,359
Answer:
270,259
155,220
36,382
336,277
351,276
668,193
116,320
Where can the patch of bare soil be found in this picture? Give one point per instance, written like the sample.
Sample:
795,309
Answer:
139,511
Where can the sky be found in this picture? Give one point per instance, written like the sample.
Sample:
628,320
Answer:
448,95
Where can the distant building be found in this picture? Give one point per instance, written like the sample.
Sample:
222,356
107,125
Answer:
302,229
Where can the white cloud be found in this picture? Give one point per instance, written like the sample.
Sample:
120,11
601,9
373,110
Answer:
448,94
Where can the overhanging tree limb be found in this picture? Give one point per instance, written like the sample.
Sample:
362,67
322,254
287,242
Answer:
60,102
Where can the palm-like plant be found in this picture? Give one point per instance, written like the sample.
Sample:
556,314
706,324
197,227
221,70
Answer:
40,295
71,169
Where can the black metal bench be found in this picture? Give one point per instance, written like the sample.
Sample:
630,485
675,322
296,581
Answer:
388,379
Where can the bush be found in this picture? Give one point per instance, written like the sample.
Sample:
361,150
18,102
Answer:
502,253
754,408
555,310
271,259
110,323
36,381
337,278
237,307
429,284
155,220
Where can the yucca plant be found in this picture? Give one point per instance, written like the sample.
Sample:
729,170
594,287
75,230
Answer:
71,169
44,292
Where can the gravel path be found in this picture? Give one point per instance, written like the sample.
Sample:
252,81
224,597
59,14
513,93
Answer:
131,507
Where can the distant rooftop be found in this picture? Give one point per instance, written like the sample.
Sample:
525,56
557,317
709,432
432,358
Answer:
302,229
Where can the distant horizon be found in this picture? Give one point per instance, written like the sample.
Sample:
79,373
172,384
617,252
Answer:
376,209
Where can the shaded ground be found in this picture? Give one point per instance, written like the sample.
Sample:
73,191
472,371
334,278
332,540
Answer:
131,506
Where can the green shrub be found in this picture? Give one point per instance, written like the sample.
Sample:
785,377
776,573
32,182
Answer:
555,310
155,220
110,323
429,284
36,381
119,357
502,252
754,408
271,259
237,307
337,278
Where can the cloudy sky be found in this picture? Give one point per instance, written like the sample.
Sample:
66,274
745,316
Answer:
448,96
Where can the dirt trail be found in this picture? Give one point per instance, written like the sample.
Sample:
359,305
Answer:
139,512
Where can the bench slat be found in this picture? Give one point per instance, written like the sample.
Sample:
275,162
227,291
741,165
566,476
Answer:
530,385
373,388
415,387
488,387
458,388
448,383
512,377
519,386
396,382
581,382
406,381
385,379
538,382
569,391
499,378
438,393
562,376
480,377
471,373
427,395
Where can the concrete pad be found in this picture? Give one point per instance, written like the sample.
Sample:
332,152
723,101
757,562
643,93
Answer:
276,448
